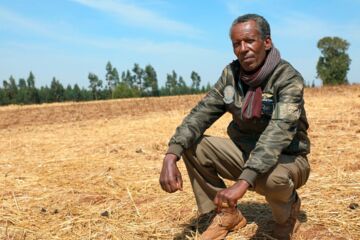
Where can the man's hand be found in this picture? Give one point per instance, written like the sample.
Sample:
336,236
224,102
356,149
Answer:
170,176
229,196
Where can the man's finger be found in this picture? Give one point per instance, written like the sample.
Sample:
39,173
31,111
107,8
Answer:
169,186
220,203
232,203
174,185
163,185
179,183
178,186
216,201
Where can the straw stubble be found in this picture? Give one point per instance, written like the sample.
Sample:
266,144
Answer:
90,171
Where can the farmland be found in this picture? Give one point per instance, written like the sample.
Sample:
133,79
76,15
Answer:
90,171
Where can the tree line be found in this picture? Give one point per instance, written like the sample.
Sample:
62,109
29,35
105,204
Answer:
137,82
332,68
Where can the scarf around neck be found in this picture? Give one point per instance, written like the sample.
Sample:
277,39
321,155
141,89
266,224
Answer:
253,98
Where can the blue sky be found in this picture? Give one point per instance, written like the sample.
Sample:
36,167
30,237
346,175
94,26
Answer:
70,38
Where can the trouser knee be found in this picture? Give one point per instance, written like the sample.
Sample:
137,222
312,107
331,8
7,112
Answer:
197,151
275,187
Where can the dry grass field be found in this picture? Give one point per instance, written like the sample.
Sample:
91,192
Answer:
90,171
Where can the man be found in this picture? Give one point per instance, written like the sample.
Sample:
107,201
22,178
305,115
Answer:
268,141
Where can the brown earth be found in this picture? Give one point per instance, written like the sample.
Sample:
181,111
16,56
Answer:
90,171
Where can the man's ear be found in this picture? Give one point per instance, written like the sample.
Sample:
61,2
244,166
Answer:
268,43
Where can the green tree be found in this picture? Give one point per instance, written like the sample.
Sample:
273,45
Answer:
31,80
33,92
10,89
181,87
112,77
22,84
86,95
139,76
44,94
13,89
123,90
196,79
4,97
69,93
171,83
77,96
56,91
116,77
333,65
95,85
22,94
150,81
206,88
108,76
128,78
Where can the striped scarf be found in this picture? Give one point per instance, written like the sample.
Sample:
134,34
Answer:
253,98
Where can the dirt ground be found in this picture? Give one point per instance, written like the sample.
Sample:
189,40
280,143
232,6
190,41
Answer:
90,171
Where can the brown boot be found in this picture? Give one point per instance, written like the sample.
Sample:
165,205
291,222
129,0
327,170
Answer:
286,230
229,219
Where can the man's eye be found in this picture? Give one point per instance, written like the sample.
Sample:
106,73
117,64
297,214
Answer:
235,45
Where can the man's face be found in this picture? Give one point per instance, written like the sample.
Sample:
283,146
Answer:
248,46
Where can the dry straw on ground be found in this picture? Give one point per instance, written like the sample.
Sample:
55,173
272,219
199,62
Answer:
90,171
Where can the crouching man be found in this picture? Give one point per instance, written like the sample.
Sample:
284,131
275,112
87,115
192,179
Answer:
267,145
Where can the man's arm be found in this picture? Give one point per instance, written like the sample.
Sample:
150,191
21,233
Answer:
192,128
201,117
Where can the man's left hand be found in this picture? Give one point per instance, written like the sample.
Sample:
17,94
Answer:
230,196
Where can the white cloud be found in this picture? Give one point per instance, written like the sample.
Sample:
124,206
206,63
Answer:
22,56
141,17
12,21
144,46
301,26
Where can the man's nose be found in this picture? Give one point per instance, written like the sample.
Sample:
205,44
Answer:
243,47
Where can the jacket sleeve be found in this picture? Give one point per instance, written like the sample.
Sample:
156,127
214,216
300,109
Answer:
280,131
201,117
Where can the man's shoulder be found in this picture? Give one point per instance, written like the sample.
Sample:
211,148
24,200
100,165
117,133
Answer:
286,69
284,64
229,73
234,63
234,66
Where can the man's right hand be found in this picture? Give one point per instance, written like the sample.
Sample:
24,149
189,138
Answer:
170,176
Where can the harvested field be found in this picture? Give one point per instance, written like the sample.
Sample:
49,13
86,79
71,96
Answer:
90,171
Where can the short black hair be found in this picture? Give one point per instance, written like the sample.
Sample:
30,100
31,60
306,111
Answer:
261,22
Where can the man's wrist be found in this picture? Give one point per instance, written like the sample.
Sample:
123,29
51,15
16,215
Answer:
176,149
243,183
249,176
170,158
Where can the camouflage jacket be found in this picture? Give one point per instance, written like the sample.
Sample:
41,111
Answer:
282,128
